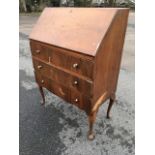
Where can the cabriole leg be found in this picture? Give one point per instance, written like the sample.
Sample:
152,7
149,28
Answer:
42,95
91,118
92,115
111,102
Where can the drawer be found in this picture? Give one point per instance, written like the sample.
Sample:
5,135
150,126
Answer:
80,101
39,50
72,61
78,65
42,80
76,99
60,90
71,81
81,85
82,66
41,67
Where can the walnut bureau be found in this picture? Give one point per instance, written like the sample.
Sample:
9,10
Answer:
76,55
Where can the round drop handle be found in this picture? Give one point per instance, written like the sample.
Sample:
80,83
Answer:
75,82
37,51
76,100
75,65
39,67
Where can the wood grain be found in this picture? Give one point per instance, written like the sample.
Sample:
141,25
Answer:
78,29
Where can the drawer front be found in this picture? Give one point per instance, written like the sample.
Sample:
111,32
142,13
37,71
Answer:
81,66
41,67
64,78
80,85
42,80
81,101
60,90
40,51
76,99
78,65
63,58
71,81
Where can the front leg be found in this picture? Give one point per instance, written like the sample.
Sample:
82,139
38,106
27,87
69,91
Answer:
93,113
91,118
42,94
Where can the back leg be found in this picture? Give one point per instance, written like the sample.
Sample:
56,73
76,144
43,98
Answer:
112,100
42,95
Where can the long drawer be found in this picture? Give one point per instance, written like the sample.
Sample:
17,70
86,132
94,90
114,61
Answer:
71,81
73,97
63,58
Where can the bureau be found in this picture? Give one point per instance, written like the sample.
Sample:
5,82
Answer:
76,54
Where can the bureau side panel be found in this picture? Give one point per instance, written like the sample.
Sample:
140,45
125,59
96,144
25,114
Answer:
108,58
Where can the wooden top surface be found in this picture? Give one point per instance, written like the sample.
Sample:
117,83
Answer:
77,29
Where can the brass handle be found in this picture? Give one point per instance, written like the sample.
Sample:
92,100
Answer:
42,81
75,65
38,51
39,67
75,82
76,100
